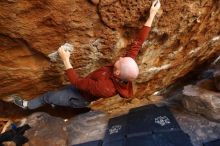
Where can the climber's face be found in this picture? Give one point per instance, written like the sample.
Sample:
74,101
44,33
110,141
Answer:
126,69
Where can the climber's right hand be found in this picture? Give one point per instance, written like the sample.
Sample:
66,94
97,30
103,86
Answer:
65,55
155,7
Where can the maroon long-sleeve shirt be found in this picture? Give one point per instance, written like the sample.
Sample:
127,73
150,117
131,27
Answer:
101,83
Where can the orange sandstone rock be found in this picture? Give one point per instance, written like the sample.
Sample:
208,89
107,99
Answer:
184,35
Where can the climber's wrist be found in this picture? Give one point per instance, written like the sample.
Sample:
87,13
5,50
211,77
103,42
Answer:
67,59
67,63
152,15
149,21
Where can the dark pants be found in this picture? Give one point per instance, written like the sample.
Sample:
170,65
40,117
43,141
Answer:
67,96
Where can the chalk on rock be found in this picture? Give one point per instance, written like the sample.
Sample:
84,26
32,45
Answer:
54,57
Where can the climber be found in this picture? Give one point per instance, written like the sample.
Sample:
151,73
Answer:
102,83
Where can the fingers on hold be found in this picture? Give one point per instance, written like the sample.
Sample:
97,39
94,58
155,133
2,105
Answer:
61,49
154,2
159,5
158,2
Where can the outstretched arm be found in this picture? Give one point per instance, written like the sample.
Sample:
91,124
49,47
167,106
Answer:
133,51
144,32
153,11
94,87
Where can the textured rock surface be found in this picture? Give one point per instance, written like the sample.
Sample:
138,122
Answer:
199,129
202,101
203,96
46,130
87,127
53,131
185,34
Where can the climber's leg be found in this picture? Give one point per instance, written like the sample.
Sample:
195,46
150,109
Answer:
68,96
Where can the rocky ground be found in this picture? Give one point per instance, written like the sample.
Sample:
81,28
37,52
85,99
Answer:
199,128
55,131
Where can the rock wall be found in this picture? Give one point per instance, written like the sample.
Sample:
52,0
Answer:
185,34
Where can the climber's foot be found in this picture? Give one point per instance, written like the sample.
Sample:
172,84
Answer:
19,101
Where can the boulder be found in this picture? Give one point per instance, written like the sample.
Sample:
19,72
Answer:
202,101
47,130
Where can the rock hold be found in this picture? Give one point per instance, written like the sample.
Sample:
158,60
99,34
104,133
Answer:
55,56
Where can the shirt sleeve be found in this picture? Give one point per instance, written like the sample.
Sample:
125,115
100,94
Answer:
136,45
84,84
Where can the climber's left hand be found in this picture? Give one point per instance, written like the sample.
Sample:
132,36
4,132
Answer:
155,7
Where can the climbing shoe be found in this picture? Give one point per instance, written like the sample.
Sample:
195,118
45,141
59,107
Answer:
18,101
